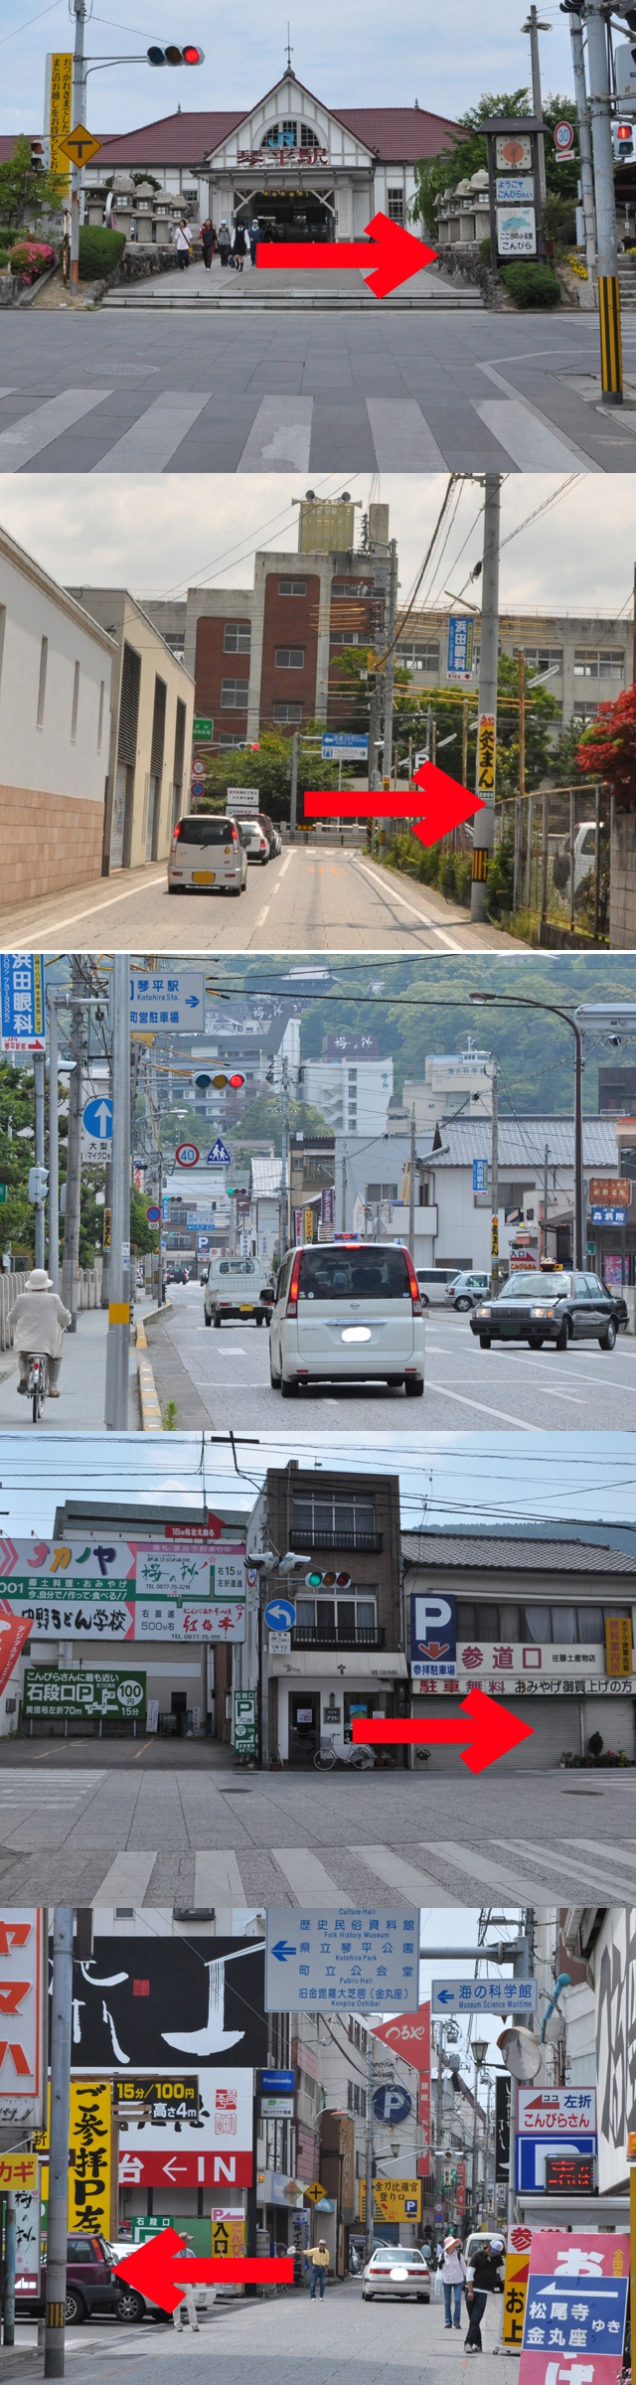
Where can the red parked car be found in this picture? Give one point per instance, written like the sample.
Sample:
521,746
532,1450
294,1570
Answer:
91,2283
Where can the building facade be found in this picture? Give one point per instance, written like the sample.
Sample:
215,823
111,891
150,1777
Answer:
345,1654
56,666
453,1197
589,657
148,781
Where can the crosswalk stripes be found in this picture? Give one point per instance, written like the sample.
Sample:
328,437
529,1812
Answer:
280,437
418,1887
529,442
306,1875
152,441
519,1870
38,429
126,1880
614,1867
217,1879
401,436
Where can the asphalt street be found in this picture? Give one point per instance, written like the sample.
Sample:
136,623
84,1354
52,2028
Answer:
76,1831
330,899
279,2340
373,390
222,1378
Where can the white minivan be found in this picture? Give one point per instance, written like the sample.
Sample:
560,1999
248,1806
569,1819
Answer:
347,1312
206,856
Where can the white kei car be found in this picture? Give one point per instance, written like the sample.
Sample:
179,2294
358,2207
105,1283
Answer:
349,1312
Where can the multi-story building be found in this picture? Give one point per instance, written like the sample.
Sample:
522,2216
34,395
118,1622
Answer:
353,1094
345,1652
326,2139
453,1195
152,703
583,659
56,666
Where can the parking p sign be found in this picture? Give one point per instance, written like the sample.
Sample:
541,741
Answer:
433,1636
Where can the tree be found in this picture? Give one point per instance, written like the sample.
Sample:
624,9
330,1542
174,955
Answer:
268,764
262,1121
608,748
26,193
17,1117
468,153
143,1237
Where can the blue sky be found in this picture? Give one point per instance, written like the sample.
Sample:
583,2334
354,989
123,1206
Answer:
446,1478
362,56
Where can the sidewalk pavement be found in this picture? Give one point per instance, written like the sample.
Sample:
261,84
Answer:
198,286
82,1384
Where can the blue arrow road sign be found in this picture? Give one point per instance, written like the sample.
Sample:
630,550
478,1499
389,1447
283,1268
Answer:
362,1957
283,1952
280,1615
484,1995
98,1118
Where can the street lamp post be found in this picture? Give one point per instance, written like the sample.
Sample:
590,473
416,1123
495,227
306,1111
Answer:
528,1002
479,2051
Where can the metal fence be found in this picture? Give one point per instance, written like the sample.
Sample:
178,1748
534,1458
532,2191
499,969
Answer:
88,1296
554,852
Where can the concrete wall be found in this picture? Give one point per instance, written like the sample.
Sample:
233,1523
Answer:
133,627
55,694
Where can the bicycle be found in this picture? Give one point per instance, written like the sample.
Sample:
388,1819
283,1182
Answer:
37,1382
328,1755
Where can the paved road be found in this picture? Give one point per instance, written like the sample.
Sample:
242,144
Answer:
83,1833
279,392
305,901
223,1379
280,2340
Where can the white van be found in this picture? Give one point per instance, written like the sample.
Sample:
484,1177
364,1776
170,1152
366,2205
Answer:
237,1288
347,1312
206,856
434,1283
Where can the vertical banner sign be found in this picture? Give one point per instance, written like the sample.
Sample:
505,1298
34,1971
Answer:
90,2157
245,1722
516,2274
27,2242
574,2324
502,2130
59,110
618,1646
433,1636
410,2036
486,754
20,2015
22,1018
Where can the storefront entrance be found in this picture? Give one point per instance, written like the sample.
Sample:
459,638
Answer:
304,1726
288,214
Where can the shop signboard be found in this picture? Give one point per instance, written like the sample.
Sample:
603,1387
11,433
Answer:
393,2198
245,1722
214,2150
167,2001
22,1015
516,2273
410,2035
502,2128
90,2160
618,1645
27,2239
21,1992
533,2154
613,1189
51,1693
459,652
177,2095
574,2320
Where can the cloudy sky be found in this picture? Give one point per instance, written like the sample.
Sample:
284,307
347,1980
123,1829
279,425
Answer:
355,57
158,534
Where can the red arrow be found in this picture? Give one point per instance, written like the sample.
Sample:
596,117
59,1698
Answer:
395,255
490,1729
155,2268
446,803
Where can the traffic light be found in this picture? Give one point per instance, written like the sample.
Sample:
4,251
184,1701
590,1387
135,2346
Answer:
38,1185
171,56
220,1082
327,1581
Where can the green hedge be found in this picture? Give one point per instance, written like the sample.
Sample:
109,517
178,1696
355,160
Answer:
99,251
530,284
435,865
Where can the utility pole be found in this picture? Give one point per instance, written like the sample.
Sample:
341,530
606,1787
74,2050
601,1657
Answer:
61,2014
293,800
107,1214
439,2117
484,823
368,2154
79,108
588,288
284,1165
609,304
343,1220
118,1338
39,1067
389,668
412,1188
72,1210
494,1185
54,1156
534,26
546,1156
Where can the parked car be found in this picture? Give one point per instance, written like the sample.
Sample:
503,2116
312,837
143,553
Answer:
254,841
347,1312
91,2284
270,832
237,1288
398,2269
136,2306
206,856
434,1283
466,1290
558,1307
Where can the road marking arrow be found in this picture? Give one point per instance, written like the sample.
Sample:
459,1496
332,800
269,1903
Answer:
155,2268
434,804
491,1732
395,255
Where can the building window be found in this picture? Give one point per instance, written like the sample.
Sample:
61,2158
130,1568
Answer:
541,1625
44,657
292,587
349,1620
382,1192
418,657
354,637
229,740
190,198
285,136
100,716
396,206
353,588
287,715
346,1519
237,637
541,658
75,703
290,658
234,695
599,662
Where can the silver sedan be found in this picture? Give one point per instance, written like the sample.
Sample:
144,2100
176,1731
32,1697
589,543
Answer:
397,2269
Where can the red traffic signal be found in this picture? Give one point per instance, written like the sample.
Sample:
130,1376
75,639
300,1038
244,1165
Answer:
171,56
220,1081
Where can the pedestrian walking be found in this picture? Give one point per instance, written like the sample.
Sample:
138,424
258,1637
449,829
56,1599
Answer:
182,244
188,2304
241,247
254,237
453,2278
319,2264
224,241
208,242
483,2277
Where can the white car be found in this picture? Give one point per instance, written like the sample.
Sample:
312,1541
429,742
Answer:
465,1290
206,856
397,2269
254,841
347,1312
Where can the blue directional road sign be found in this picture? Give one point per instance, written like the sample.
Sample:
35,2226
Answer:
350,1957
219,1156
22,1001
392,2105
98,1118
345,749
484,1995
167,998
280,1615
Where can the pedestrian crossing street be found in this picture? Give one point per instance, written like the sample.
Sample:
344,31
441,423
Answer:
446,1873
199,430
